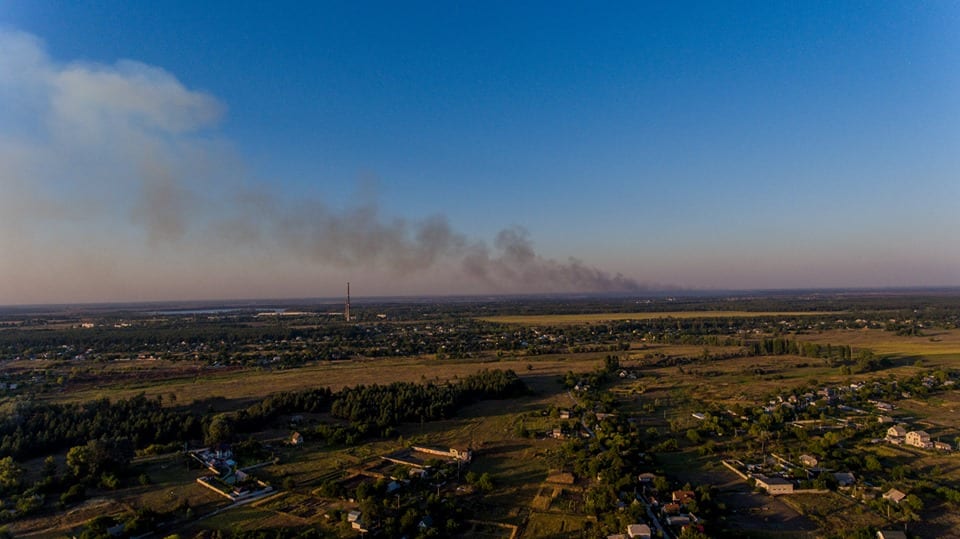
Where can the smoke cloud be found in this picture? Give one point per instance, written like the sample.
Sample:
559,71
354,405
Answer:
101,163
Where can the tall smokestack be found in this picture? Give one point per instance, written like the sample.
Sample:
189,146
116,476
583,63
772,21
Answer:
346,309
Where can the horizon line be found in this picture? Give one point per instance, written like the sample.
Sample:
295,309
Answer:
685,292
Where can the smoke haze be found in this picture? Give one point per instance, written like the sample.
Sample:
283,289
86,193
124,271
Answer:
114,185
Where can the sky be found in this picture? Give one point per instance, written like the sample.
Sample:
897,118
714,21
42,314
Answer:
215,150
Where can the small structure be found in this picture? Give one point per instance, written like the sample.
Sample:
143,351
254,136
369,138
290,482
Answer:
844,479
639,531
894,496
896,434
809,461
884,419
891,534
426,523
646,477
942,446
683,496
463,454
919,438
774,485
678,520
296,439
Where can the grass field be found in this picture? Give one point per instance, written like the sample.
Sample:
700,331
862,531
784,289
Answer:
252,383
517,463
936,348
572,319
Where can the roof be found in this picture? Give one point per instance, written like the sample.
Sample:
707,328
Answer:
771,480
638,530
891,534
845,478
894,495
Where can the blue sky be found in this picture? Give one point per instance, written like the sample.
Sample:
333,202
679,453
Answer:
701,145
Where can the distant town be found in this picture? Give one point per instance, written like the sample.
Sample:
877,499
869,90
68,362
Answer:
814,415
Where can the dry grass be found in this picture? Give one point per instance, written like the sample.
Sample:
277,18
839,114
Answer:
940,348
248,384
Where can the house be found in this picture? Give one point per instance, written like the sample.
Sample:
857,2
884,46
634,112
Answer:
919,438
639,531
678,520
896,434
942,446
844,479
809,461
296,439
773,485
884,419
683,496
891,534
894,495
564,414
353,516
646,477
671,509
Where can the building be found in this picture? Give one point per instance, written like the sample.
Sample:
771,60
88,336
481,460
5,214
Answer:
809,461
462,454
844,479
891,534
774,485
646,477
296,439
894,495
683,496
896,434
639,531
942,446
884,419
919,438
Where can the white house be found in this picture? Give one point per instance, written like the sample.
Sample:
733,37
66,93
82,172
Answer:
639,531
773,485
919,438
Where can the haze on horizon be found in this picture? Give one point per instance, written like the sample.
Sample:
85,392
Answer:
198,152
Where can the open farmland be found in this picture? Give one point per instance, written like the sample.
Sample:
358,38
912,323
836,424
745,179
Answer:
606,397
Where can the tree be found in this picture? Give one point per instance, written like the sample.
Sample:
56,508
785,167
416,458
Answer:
10,473
49,467
78,460
485,482
220,429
